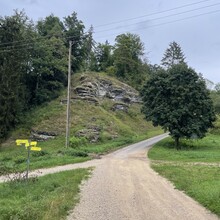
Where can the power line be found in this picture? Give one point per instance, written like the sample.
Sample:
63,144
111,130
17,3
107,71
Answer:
159,18
154,13
161,24
27,43
116,22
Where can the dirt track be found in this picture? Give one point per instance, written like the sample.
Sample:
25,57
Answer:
123,186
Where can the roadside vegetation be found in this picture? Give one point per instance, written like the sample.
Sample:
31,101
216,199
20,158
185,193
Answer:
49,197
195,169
115,129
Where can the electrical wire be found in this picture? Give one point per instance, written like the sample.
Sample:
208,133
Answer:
5,46
155,13
161,24
159,18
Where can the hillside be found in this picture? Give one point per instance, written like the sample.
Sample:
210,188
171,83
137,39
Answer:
105,114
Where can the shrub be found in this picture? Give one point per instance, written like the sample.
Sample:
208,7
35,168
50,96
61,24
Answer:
74,153
39,153
77,141
20,160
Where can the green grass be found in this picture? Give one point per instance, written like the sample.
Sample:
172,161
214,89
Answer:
45,198
13,158
117,129
203,150
201,181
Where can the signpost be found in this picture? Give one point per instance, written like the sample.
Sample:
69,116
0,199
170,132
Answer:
30,146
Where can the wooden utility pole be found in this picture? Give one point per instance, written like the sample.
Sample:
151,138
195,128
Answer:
68,98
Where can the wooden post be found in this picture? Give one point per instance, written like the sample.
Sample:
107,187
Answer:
68,97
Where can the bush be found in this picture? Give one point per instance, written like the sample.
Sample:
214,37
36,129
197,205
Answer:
74,153
20,160
39,153
77,141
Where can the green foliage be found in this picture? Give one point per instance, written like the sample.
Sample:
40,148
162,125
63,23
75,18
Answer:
103,54
74,31
202,150
74,152
178,101
36,73
13,90
203,183
193,170
215,95
128,53
76,142
49,197
173,55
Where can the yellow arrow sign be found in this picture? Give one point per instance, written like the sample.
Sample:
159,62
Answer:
36,148
20,142
32,144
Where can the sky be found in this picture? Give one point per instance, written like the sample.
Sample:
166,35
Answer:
193,24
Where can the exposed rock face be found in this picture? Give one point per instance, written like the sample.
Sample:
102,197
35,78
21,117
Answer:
97,88
42,135
120,107
92,134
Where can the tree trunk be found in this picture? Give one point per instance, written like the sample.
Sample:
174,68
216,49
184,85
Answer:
177,143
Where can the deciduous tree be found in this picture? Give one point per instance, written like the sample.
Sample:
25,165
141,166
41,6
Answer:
178,101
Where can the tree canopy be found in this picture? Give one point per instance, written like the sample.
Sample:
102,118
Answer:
177,100
173,55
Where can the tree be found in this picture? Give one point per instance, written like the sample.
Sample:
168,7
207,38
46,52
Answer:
173,55
217,88
74,31
178,101
49,61
89,56
128,59
103,54
14,60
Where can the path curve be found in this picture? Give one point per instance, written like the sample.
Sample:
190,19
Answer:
124,187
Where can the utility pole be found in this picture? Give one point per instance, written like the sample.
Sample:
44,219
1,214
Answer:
68,98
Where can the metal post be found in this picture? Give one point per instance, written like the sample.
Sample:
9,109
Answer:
68,97
28,162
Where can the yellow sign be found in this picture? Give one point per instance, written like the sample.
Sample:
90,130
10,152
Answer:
36,148
32,144
20,142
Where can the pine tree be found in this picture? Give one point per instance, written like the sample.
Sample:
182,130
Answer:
173,55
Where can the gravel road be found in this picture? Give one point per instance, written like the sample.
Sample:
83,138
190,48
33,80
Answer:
123,186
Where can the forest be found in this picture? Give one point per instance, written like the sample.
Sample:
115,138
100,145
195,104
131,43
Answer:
34,61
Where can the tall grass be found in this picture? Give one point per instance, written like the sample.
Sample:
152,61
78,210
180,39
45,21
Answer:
49,197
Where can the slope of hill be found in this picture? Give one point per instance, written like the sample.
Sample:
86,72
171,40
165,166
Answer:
105,114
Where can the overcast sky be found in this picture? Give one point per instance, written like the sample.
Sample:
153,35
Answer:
194,24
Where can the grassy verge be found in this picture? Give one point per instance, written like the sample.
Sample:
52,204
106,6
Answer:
203,150
201,181
13,159
48,197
